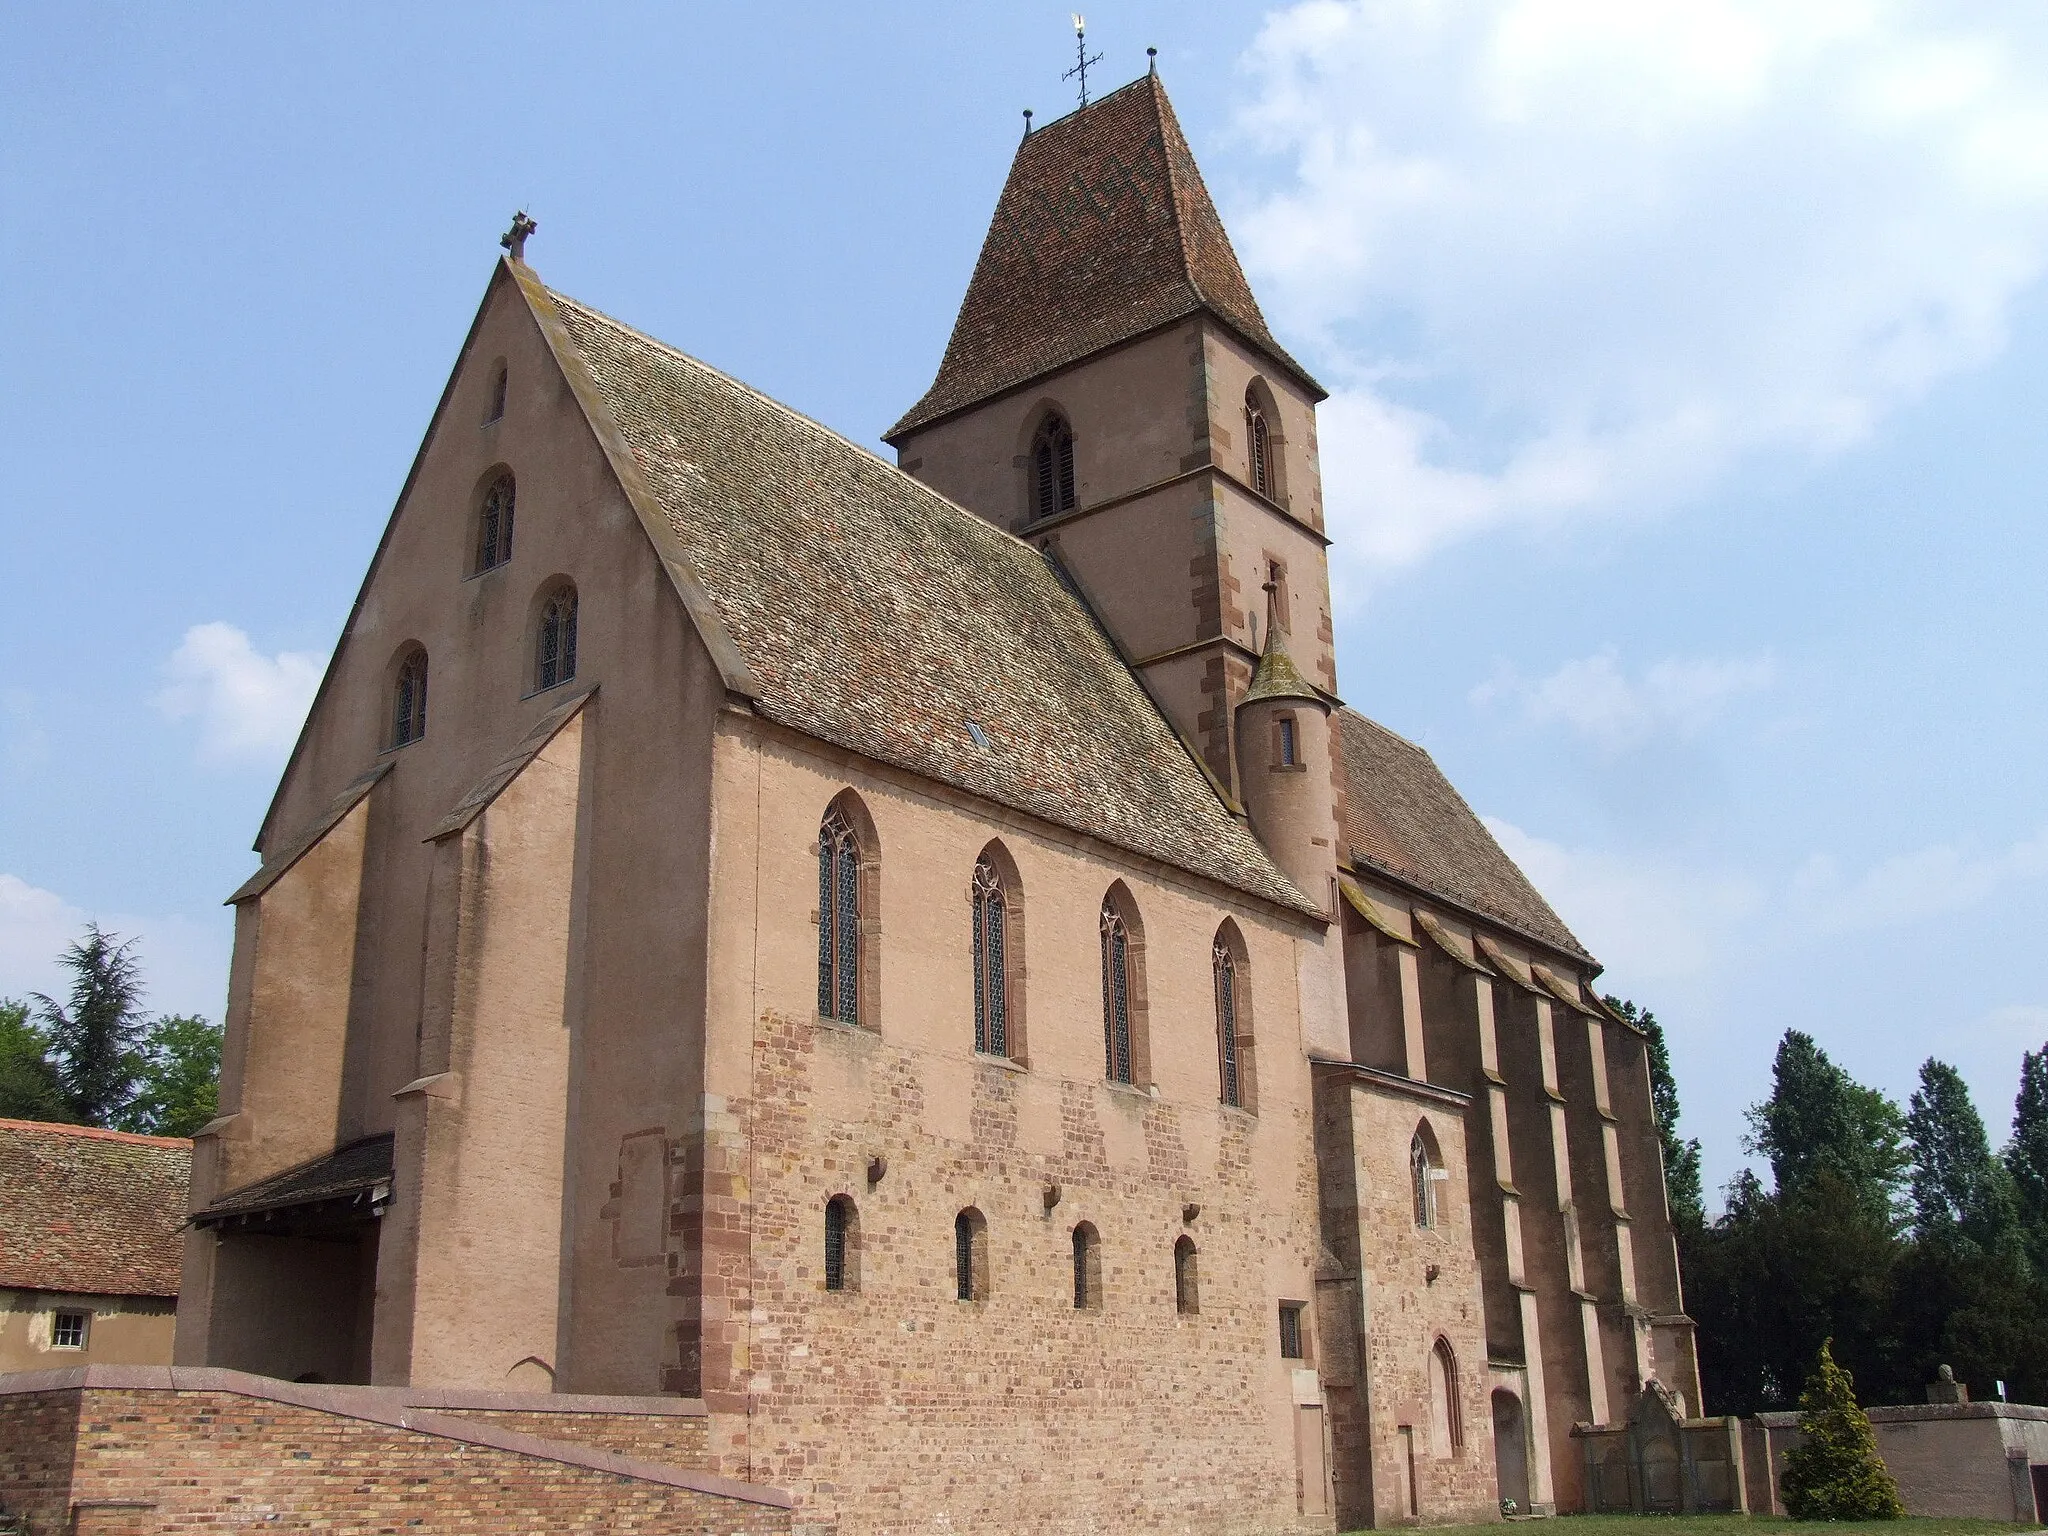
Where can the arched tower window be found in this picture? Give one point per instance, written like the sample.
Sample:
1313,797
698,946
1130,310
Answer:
554,647
842,1244
1424,1176
409,699
839,914
991,959
1224,965
494,523
1116,992
1259,444
1187,1299
1052,467
1087,1267
1446,1420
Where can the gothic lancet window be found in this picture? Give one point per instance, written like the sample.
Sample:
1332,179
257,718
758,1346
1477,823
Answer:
1052,468
991,956
1116,993
1225,966
494,524
554,659
1422,1176
838,920
409,700
1260,445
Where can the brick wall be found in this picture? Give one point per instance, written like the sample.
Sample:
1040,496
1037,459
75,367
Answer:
670,1441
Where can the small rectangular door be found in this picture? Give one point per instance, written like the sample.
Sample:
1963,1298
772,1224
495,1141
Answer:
1311,1467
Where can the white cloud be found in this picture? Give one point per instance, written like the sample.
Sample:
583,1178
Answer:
1596,697
249,706
1652,920
184,959
1909,887
1569,258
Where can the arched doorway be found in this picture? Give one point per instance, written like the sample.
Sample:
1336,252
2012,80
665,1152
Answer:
1510,1450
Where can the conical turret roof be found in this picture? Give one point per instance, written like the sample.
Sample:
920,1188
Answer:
1104,231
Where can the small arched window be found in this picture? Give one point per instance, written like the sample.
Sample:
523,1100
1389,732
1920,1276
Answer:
842,1244
1052,467
1446,1420
554,649
991,959
970,1256
839,916
1424,1176
1187,1296
1224,965
409,699
1258,437
1116,993
497,396
1087,1267
494,524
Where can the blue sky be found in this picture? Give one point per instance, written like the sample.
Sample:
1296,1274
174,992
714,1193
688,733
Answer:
1685,446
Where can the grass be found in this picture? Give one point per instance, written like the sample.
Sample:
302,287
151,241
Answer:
1735,1525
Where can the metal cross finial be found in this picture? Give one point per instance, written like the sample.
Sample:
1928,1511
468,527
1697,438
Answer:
1081,53
514,239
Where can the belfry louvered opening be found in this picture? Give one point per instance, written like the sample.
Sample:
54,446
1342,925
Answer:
1052,467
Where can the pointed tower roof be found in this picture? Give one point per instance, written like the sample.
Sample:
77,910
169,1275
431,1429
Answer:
1277,676
1104,231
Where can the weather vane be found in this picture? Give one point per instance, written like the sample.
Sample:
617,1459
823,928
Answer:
1081,53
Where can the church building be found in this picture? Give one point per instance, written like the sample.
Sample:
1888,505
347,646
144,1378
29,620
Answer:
922,958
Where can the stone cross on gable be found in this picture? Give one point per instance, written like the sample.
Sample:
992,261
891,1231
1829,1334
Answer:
514,239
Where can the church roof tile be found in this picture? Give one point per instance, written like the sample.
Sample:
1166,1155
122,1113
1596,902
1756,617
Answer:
877,615
91,1212
1104,231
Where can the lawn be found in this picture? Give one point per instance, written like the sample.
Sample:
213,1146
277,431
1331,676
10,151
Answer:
1741,1525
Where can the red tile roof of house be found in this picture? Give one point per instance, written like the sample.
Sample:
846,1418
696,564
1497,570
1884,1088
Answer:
90,1211
1104,231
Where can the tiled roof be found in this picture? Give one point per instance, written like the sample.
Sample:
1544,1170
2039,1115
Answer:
95,1212
1403,819
1104,231
360,1169
877,615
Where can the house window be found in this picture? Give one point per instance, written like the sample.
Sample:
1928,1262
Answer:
1424,1176
1116,993
68,1330
494,524
1290,1331
409,700
497,396
1052,468
1224,964
1187,1300
1261,448
1087,1268
838,920
842,1245
1283,746
991,956
1446,1422
554,659
970,1256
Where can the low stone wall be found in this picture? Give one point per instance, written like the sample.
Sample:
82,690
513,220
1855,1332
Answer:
111,1451
1951,1460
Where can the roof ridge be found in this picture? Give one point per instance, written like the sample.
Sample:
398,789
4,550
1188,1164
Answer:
94,1132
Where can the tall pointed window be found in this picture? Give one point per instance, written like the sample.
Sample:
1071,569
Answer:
1446,1414
1116,993
409,700
1422,1176
494,524
497,396
1052,468
991,958
554,659
1187,1293
1224,964
838,919
1258,439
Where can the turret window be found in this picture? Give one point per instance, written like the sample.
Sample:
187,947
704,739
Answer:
1283,743
1052,468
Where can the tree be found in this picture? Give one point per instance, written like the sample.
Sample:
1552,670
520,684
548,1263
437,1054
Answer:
1818,1117
2026,1158
1959,1189
1836,1473
177,1088
94,1040
29,1089
1682,1190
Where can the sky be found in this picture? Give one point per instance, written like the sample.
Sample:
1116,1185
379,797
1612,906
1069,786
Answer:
1683,454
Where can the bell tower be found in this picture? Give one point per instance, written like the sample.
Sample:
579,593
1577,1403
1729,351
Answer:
1112,395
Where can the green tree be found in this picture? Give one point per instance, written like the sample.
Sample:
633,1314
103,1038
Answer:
94,1040
1682,1188
2026,1158
1959,1189
177,1088
1820,1118
1836,1473
29,1089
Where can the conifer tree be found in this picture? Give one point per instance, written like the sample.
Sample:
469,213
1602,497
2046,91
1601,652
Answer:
2026,1159
29,1089
1836,1473
1960,1191
94,1040
1681,1155
1819,1119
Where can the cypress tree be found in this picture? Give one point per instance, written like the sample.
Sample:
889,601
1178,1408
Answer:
2026,1159
1959,1189
1836,1474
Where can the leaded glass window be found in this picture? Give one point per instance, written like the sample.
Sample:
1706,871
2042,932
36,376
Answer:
1116,993
1224,964
837,1211
991,945
1052,468
1421,1169
965,1284
409,702
838,920
555,646
494,525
